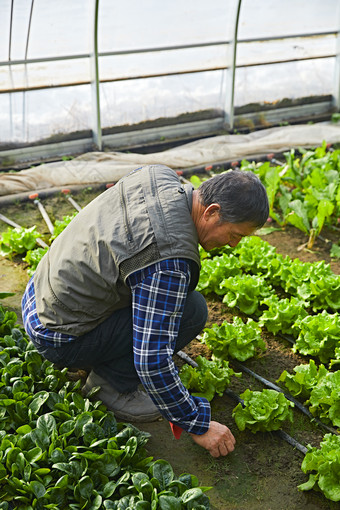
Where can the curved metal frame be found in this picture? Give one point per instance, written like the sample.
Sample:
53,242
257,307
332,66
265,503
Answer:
229,105
95,83
94,55
337,72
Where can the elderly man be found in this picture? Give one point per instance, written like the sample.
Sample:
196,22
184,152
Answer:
115,291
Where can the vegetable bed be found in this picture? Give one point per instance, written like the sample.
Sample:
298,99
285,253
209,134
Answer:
264,471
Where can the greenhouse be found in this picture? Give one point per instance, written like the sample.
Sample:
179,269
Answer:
169,255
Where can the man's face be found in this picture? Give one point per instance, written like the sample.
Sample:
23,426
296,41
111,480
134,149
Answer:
212,233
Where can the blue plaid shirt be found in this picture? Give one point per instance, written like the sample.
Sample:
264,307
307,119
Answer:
158,297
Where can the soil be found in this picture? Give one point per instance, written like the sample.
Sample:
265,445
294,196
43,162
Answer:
263,472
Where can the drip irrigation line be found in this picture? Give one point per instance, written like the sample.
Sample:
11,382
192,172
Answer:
43,212
272,159
67,195
229,393
293,442
187,358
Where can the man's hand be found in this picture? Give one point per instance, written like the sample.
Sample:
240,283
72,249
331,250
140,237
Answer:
218,440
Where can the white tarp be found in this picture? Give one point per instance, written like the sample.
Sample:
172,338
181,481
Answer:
107,167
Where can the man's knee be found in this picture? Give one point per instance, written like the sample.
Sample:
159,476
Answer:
194,318
199,309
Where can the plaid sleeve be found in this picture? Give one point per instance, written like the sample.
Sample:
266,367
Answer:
158,298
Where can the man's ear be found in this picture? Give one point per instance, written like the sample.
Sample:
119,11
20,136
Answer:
212,210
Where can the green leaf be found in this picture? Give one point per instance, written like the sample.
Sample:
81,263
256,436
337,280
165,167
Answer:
163,472
38,401
3,295
92,432
85,486
169,503
47,424
34,454
191,494
38,489
299,216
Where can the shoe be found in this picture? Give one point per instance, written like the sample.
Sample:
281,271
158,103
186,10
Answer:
136,406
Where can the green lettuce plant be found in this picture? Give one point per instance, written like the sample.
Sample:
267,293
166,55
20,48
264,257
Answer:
282,314
209,378
245,292
319,335
33,257
18,240
323,464
336,359
324,400
239,340
262,411
304,379
60,225
215,270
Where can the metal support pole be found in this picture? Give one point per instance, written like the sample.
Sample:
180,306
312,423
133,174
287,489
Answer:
336,99
229,104
96,125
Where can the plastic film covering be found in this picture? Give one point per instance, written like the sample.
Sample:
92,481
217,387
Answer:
161,65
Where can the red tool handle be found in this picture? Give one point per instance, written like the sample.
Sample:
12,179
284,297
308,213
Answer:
176,430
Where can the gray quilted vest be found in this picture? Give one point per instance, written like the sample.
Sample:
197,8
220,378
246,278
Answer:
144,218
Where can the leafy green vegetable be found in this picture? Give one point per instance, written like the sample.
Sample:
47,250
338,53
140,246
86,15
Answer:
215,270
60,225
238,340
33,258
336,359
282,314
245,291
58,450
3,295
299,216
324,399
305,191
208,378
262,411
318,387
18,240
335,251
7,321
323,464
304,379
319,335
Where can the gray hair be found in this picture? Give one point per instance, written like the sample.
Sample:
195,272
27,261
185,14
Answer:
240,194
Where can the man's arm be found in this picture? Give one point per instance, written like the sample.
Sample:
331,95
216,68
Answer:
159,294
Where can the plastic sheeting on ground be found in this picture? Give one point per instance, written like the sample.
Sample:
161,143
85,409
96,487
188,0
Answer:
107,167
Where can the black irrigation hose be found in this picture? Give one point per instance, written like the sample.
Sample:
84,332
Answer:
229,393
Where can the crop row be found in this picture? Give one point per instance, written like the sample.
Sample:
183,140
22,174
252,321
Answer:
304,191
284,295
60,450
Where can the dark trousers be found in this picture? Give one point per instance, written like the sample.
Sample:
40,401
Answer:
108,349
